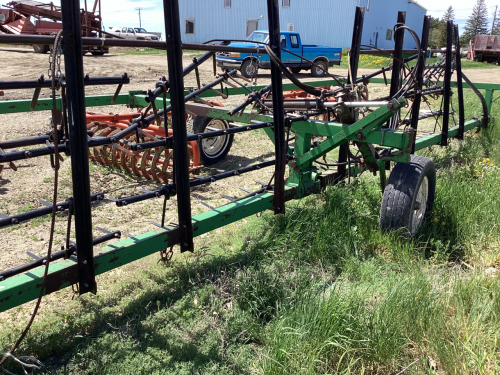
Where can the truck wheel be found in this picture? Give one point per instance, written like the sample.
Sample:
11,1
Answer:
212,150
97,53
409,195
249,69
316,71
295,70
41,48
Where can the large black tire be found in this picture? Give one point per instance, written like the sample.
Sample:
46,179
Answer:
316,71
97,53
409,196
212,150
40,48
295,70
249,68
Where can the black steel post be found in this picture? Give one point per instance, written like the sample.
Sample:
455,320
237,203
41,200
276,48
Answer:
447,83
354,53
415,110
181,157
278,109
460,87
73,60
397,64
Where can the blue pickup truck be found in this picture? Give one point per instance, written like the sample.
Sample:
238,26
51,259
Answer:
249,63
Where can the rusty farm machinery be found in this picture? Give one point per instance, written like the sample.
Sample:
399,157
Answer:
323,132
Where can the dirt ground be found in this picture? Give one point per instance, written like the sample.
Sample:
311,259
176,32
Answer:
20,191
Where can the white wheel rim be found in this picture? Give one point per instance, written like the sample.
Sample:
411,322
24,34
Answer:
250,69
212,147
420,206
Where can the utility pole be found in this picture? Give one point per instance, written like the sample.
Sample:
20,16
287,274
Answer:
494,19
139,9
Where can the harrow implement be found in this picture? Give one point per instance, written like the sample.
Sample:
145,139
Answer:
324,134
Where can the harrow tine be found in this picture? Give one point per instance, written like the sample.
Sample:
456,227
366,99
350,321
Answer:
261,183
128,234
157,224
228,198
31,255
103,230
245,190
207,205
173,224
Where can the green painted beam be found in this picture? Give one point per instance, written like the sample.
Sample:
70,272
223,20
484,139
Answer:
365,125
45,104
434,139
26,287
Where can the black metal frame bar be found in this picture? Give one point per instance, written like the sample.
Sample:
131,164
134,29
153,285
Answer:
415,111
73,60
397,63
460,87
447,83
41,83
357,35
278,108
181,157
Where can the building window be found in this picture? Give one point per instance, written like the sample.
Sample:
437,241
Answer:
291,27
189,26
294,41
388,34
227,3
286,3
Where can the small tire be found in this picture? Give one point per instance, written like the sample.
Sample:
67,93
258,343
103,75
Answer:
97,53
296,70
249,68
40,48
409,196
316,71
212,150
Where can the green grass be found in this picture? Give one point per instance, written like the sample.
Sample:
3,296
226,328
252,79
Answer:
379,60
318,291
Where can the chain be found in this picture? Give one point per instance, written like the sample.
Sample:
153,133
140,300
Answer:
55,70
166,255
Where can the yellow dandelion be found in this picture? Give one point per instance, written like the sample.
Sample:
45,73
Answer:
443,223
436,219
488,160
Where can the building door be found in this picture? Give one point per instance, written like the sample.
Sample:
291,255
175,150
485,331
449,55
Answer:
252,25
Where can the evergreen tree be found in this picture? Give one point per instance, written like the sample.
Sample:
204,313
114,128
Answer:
496,26
434,32
477,24
449,15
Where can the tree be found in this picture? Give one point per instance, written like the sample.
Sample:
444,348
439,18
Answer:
449,15
434,32
477,24
496,26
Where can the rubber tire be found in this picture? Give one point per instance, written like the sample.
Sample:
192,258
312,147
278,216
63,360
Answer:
97,53
199,125
40,48
245,66
316,72
296,70
401,191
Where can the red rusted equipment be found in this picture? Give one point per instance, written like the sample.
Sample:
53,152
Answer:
486,48
152,164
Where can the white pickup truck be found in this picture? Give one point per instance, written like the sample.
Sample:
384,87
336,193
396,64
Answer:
137,33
